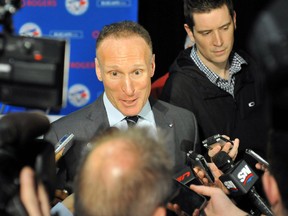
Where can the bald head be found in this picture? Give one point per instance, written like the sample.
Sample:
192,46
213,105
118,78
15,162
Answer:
113,159
125,173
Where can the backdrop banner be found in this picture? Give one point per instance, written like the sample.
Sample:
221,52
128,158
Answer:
78,21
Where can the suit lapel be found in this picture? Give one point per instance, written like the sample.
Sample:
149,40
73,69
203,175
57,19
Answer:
164,122
97,120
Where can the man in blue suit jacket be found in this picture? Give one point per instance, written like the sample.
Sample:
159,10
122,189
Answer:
125,64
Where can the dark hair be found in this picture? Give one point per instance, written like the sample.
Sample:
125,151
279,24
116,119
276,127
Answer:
203,6
124,29
277,156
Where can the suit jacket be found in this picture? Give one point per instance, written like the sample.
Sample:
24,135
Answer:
179,124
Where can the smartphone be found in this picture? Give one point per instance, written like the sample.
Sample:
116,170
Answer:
63,142
215,139
257,157
198,161
187,199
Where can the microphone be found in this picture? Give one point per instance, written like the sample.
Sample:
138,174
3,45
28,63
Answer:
239,179
18,128
187,199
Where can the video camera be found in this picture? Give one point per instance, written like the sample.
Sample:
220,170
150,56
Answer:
33,71
18,148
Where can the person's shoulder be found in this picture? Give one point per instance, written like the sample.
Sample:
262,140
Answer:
183,65
78,114
246,56
174,109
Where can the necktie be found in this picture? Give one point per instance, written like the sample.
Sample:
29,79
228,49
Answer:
131,120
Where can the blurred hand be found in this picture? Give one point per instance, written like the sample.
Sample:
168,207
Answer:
261,166
34,197
216,172
219,203
69,202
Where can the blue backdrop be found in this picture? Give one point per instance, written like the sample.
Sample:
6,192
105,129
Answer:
78,21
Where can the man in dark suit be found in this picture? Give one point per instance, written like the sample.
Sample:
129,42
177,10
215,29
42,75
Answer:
125,64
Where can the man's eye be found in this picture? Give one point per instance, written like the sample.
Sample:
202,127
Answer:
114,73
205,33
137,72
226,27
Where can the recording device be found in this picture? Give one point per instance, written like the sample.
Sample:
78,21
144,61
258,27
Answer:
18,148
195,160
239,179
64,142
257,157
198,161
33,71
187,199
215,139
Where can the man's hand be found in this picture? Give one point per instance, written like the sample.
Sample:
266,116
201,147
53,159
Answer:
34,197
69,202
219,203
232,150
216,172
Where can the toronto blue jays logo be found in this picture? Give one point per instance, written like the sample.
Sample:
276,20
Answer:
77,7
78,95
30,29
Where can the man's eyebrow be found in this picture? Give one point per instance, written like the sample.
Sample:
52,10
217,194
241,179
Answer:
227,24
205,30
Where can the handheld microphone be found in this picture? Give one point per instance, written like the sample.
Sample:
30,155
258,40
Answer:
19,128
187,199
239,179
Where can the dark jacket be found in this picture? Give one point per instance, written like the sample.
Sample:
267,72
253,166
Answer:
216,111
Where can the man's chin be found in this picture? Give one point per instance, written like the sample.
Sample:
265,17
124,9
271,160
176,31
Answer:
130,111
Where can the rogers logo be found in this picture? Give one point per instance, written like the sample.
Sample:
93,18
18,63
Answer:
76,7
82,65
39,3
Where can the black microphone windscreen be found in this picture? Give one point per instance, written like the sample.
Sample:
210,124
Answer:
223,161
18,128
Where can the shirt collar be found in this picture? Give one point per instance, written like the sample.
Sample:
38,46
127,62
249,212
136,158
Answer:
235,66
115,116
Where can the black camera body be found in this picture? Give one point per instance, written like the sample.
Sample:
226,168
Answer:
20,147
33,70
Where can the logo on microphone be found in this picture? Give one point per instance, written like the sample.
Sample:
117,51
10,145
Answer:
245,175
230,186
184,176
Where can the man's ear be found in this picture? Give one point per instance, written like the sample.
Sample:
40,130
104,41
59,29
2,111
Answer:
189,32
153,66
234,20
98,70
271,188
